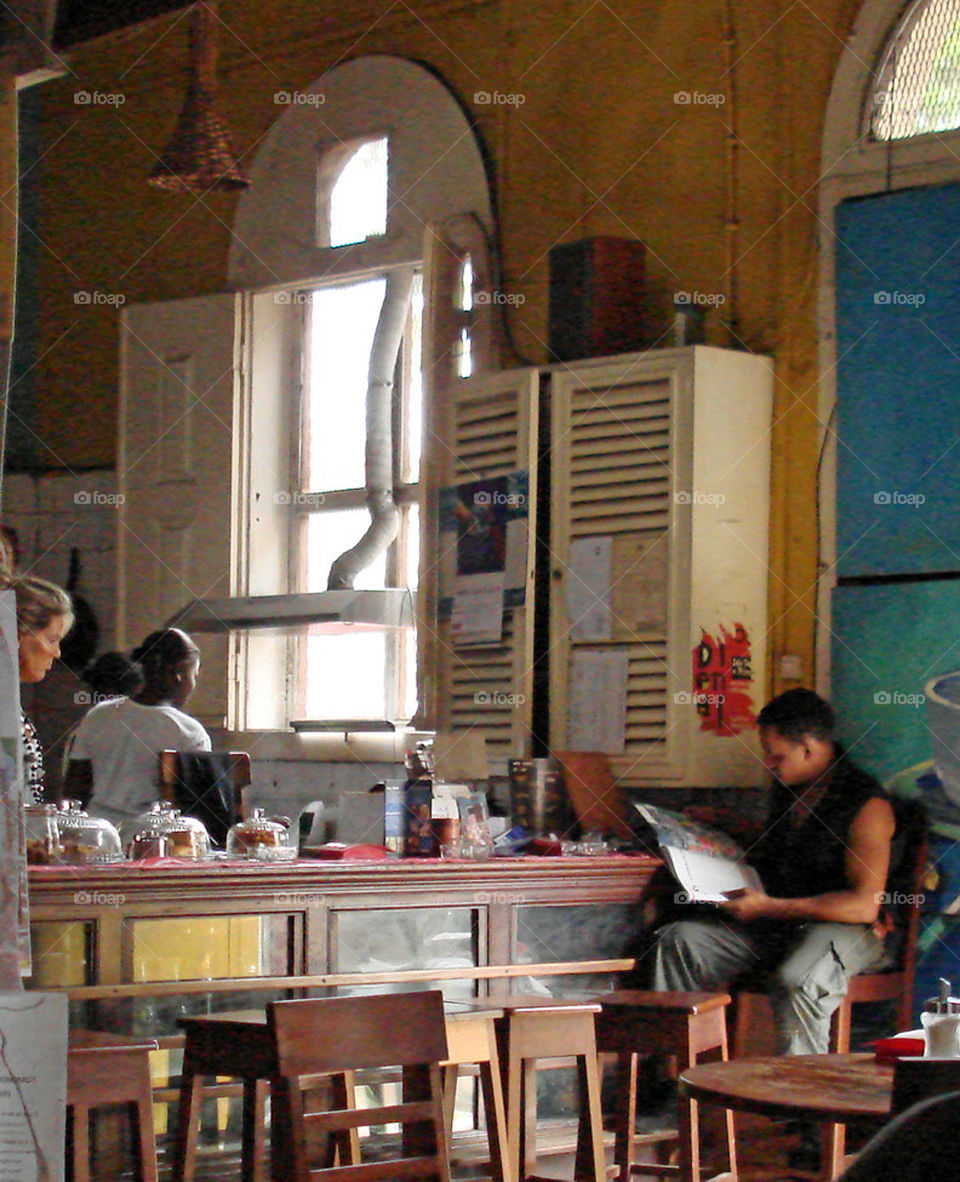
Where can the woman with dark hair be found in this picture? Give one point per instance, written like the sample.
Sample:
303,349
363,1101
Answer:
44,617
114,759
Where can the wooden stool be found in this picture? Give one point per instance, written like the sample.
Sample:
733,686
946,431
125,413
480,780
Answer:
234,1044
472,1038
110,1069
635,1022
533,1028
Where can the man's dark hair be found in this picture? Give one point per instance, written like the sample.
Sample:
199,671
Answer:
797,713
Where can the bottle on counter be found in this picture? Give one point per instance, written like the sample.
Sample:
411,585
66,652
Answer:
419,840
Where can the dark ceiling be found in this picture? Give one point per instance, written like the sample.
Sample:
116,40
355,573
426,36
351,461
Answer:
78,20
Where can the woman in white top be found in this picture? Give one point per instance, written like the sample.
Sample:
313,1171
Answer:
114,759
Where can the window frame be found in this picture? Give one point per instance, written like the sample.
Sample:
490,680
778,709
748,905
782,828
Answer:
302,507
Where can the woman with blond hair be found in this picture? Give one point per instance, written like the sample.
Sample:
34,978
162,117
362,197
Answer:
44,617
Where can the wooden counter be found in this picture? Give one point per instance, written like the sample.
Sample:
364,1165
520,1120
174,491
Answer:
189,923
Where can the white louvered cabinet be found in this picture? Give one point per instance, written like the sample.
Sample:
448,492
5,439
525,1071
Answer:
661,463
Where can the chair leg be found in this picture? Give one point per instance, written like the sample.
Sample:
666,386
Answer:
833,1140
188,1120
590,1164
840,1028
80,1142
626,1112
688,1122
144,1141
254,1123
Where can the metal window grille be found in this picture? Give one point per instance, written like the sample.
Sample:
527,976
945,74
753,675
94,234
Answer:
918,84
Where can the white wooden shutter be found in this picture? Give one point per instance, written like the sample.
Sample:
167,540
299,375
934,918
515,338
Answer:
175,474
492,432
613,454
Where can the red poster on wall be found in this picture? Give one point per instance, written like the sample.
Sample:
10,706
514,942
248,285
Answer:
722,680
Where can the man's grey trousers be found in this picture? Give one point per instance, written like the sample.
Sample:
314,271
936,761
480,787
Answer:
809,965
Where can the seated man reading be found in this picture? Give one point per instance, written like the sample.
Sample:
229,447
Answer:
823,857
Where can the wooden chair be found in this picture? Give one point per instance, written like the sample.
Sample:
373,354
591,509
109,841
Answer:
107,1069
916,1146
336,1036
919,1079
202,797
894,984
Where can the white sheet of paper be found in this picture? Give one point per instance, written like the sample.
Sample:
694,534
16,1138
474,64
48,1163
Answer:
33,1086
14,907
477,609
460,755
597,709
589,579
518,534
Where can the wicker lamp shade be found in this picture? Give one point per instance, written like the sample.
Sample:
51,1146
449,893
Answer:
198,157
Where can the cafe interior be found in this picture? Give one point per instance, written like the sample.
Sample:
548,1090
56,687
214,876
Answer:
507,401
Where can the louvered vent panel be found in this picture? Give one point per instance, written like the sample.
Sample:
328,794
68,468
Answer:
487,433
484,693
646,695
619,459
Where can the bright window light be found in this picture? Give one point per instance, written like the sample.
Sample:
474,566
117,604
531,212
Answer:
464,354
465,295
343,320
358,199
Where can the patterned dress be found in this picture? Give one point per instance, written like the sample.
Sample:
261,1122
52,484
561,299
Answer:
32,762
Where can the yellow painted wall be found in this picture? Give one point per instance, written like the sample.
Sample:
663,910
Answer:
598,146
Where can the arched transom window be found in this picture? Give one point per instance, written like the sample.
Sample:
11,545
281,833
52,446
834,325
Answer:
917,91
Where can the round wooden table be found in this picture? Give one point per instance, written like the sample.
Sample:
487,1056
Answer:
825,1089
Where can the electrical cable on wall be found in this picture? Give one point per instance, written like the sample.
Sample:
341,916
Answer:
732,220
828,433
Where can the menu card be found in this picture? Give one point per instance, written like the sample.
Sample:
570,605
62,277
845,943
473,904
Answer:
33,1086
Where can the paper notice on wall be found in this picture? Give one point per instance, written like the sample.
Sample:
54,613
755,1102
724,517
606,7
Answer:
589,579
477,609
640,574
597,709
33,1086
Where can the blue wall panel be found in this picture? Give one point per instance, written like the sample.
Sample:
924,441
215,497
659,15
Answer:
888,642
898,348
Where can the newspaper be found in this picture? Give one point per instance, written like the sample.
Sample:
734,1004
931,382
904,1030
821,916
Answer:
707,863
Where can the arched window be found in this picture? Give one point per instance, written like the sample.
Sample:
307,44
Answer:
918,83
361,174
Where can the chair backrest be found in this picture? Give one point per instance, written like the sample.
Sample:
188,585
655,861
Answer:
905,880
338,1036
208,785
919,1079
917,1146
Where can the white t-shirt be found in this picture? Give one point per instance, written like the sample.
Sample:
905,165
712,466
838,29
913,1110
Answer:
123,741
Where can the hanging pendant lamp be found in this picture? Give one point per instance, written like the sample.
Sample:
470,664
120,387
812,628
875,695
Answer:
198,157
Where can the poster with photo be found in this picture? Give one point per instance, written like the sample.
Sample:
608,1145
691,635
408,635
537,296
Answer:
483,526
